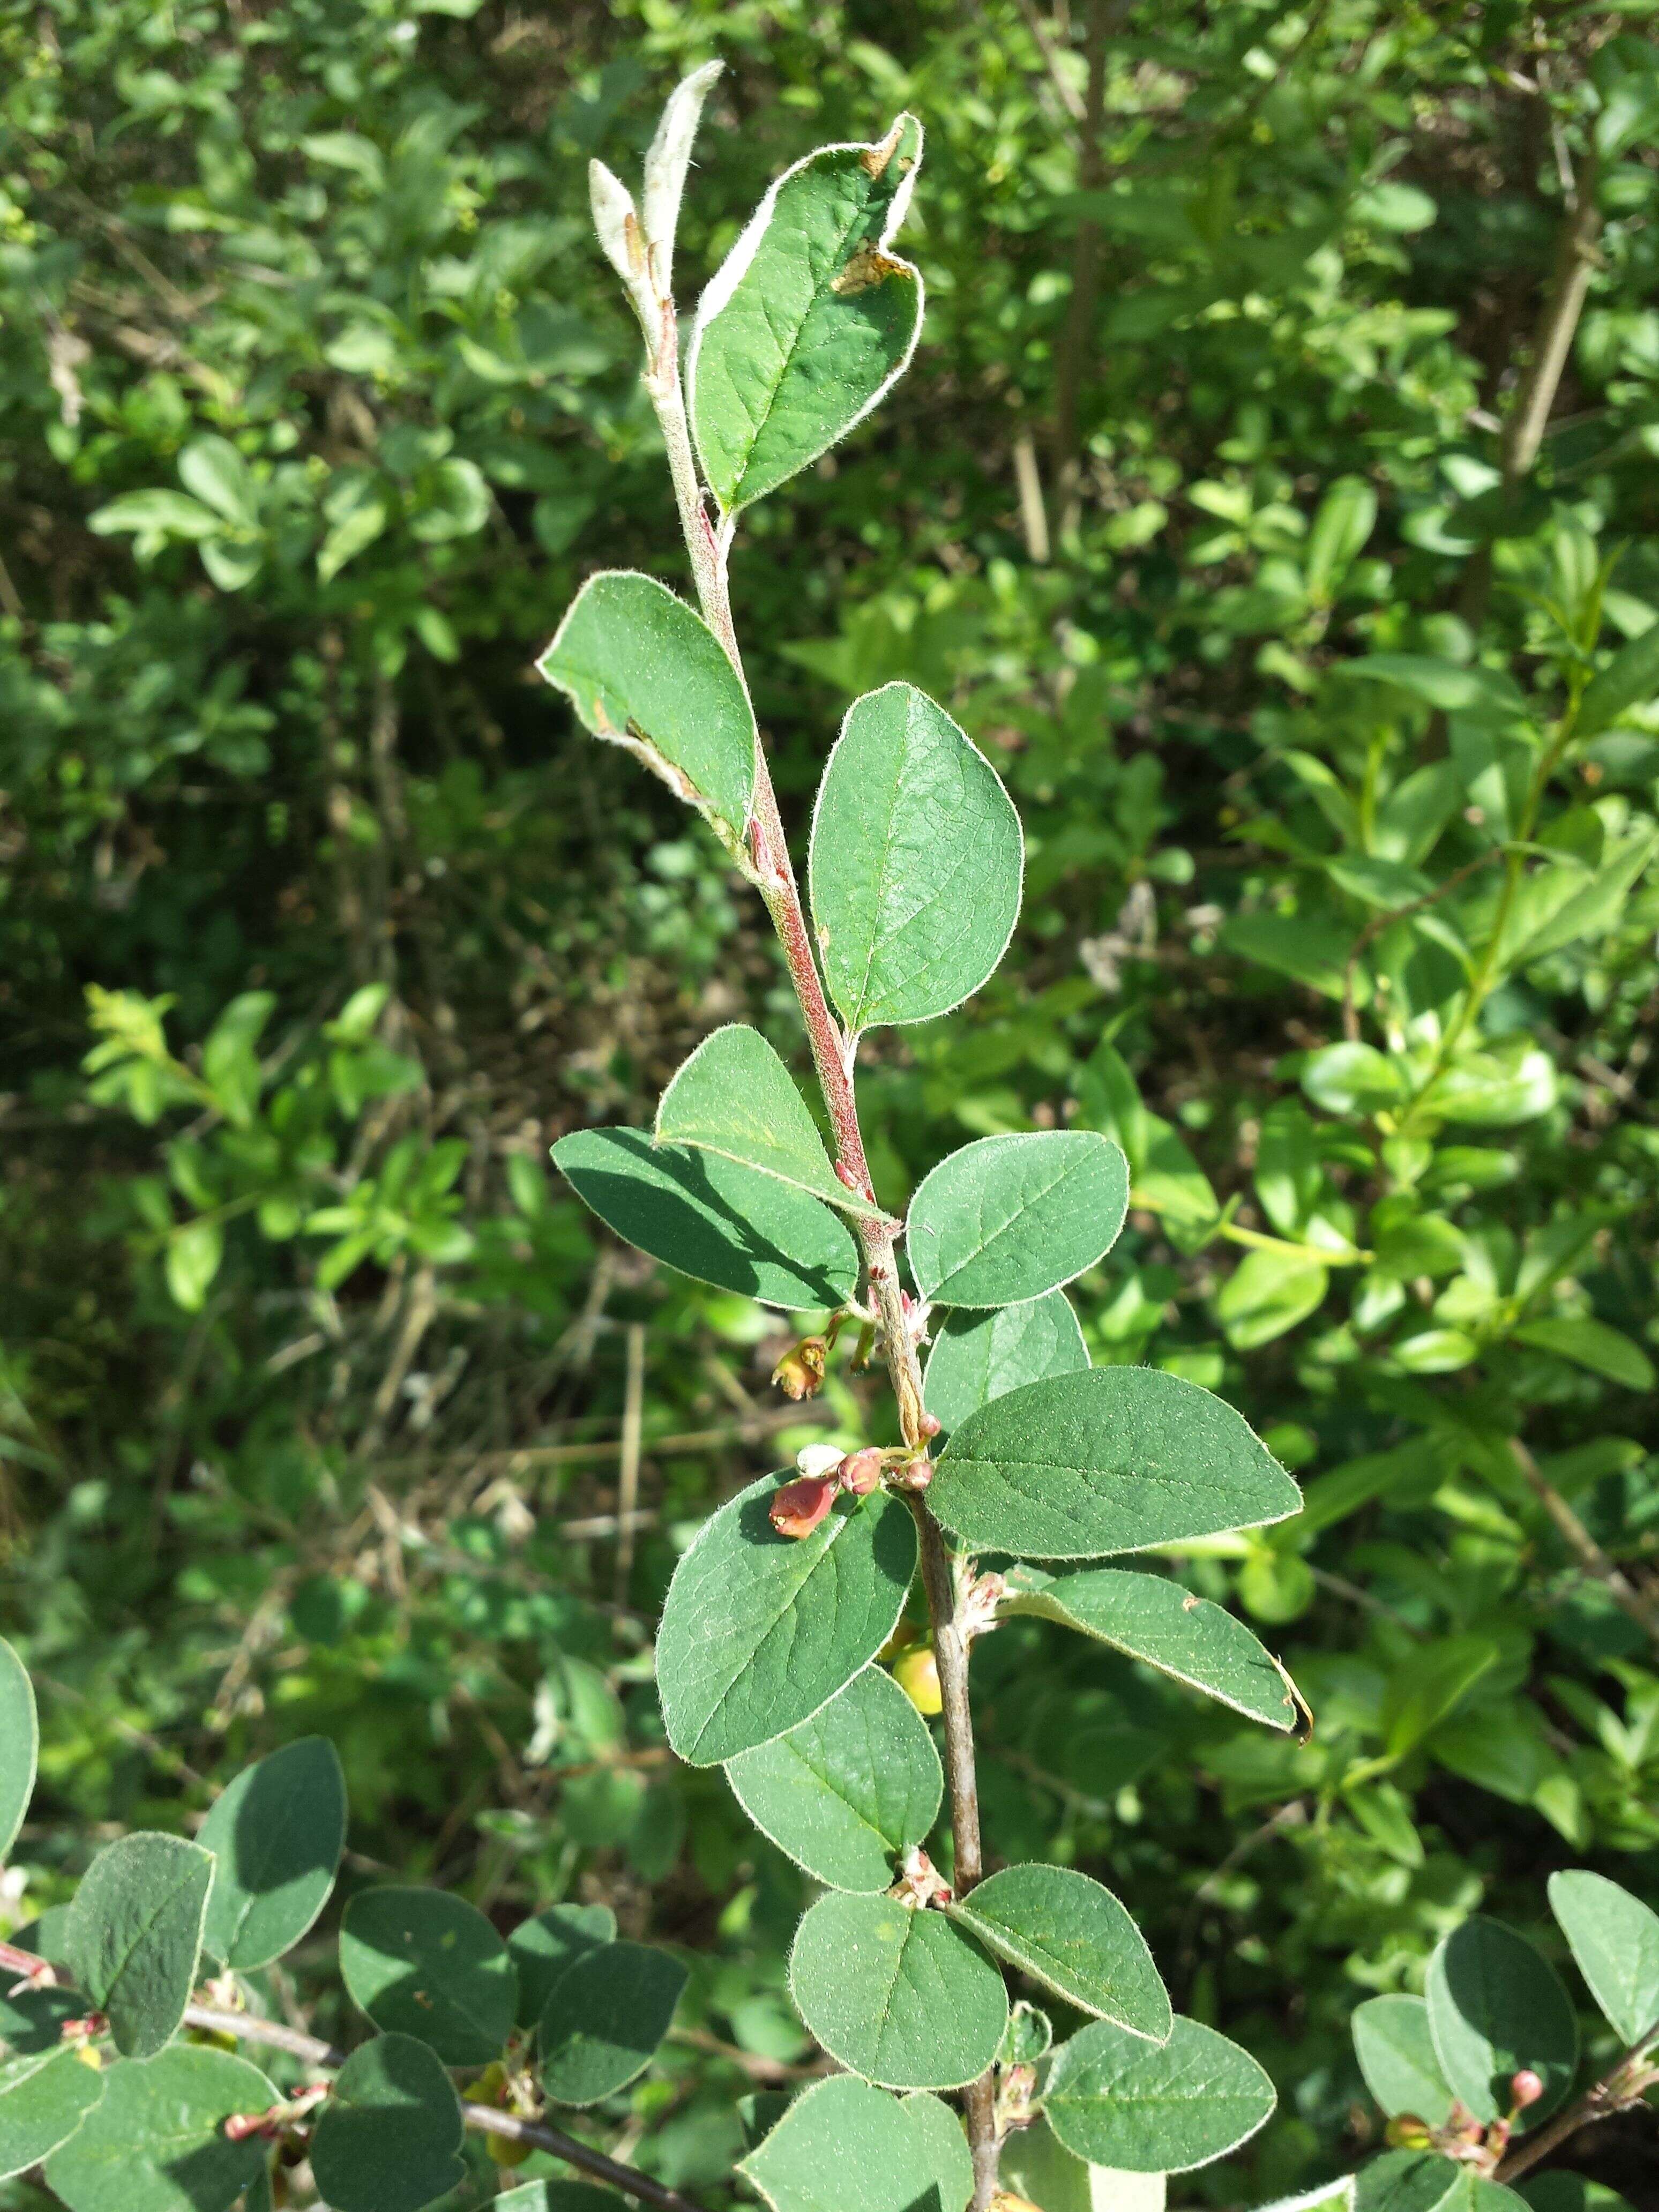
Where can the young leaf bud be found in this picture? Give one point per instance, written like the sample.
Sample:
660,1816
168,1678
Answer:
860,1471
1525,2088
1006,2201
799,1506
916,1672
665,165
800,1373
618,225
1405,2131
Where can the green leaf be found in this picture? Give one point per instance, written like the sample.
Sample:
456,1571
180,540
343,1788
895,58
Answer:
1422,2181
946,2145
1116,1459
1428,1685
133,1935
276,1834
1396,2051
897,1995
846,2147
422,1963
1616,1942
759,1630
20,1745
1152,1619
605,2018
1010,1218
711,1218
849,1791
1630,678
1592,1343
389,2137
1266,1294
541,1950
915,862
736,1097
1035,2165
808,320
1560,2191
644,671
193,1257
43,2101
1115,2100
1074,1937
155,2141
556,2196
1495,2006
977,1356
216,473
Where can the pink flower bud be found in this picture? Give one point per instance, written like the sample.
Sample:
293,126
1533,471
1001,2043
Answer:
1525,2088
915,1474
799,1506
860,1471
929,1424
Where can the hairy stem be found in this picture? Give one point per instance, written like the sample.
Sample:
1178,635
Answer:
833,1050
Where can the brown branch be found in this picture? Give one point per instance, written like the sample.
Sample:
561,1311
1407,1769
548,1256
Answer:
1579,1541
1622,2085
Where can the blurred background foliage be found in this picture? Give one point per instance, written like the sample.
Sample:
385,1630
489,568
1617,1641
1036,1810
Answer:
1279,467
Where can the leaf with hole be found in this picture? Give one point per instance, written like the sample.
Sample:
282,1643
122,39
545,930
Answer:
977,1356
1495,2005
133,1935
605,2018
1116,1459
389,2137
644,671
543,1949
1150,1618
713,1218
1074,1937
43,2101
736,1097
915,865
1009,1218
1115,2100
808,320
1396,2051
20,1745
849,1791
425,1964
1616,1942
758,1630
156,2142
844,2146
276,1833
898,1995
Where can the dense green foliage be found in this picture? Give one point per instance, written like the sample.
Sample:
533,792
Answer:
1330,712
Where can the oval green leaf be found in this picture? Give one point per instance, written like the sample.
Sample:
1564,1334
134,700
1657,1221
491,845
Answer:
1074,1937
915,862
425,1964
897,1995
1423,2181
276,1834
1035,2166
1616,1942
808,320
1008,1218
43,2101
845,2147
1114,2100
132,1936
646,673
759,1630
1396,2051
389,2137
977,1356
736,1097
155,2141
1149,1617
713,1218
543,1949
847,1792
1495,2005
1116,1459
605,2018
20,1745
